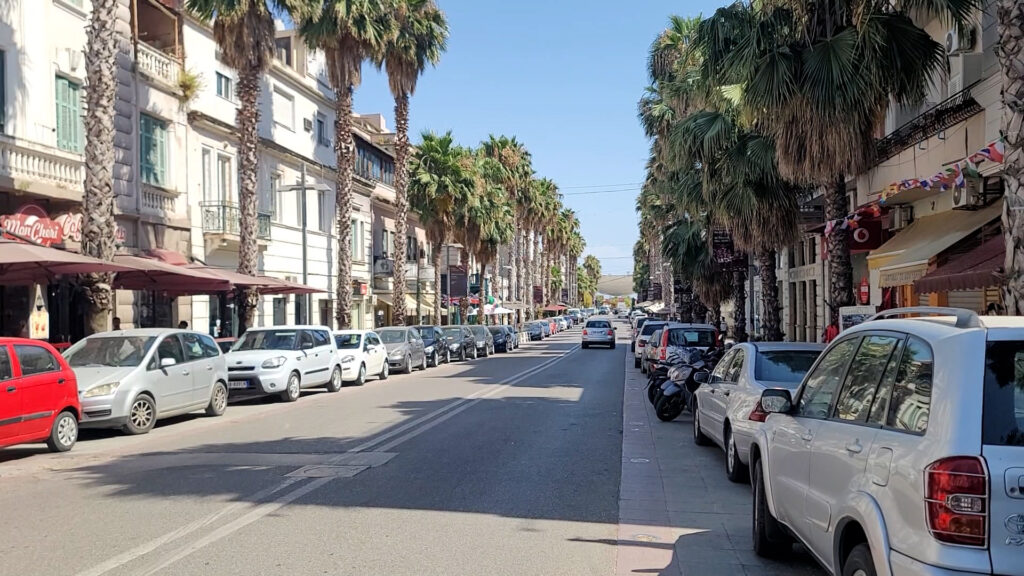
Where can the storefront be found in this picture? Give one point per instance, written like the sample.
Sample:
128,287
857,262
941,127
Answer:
969,279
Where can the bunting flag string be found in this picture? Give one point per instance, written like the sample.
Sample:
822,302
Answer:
954,175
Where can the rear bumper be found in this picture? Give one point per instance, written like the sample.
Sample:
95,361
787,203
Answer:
907,566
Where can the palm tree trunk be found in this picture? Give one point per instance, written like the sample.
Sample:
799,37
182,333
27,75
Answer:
464,302
401,206
514,248
247,117
345,150
739,300
536,271
98,227
1010,18
840,268
521,262
435,257
480,316
771,320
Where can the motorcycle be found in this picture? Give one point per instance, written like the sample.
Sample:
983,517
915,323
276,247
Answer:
676,394
660,374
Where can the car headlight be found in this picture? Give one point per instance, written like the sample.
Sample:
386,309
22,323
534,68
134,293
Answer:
453,347
429,350
275,362
101,390
348,359
396,354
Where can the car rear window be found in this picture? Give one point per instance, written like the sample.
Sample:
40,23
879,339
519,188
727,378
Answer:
598,324
650,327
783,365
691,337
1003,410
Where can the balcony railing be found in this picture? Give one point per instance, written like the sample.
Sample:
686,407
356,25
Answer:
949,112
158,64
226,218
24,160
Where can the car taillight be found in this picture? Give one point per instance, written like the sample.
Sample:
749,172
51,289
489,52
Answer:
662,354
639,343
584,331
758,414
611,333
956,500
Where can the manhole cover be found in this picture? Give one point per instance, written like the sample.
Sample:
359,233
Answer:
319,471
645,538
639,460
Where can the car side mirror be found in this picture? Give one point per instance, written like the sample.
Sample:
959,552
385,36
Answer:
776,401
167,362
702,377
306,346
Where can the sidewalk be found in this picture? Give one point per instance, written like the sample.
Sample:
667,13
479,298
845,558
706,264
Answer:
678,513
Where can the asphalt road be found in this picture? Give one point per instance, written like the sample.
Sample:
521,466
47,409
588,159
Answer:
504,465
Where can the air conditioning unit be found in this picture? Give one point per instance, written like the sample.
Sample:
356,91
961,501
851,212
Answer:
969,197
959,41
901,217
964,70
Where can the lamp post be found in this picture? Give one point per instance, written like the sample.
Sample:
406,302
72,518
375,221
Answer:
302,188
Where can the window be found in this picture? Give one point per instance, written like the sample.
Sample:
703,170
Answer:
736,366
358,250
153,150
912,391
821,385
35,359
305,340
170,347
300,206
280,311
785,366
373,164
210,348
410,248
69,115
225,179
193,348
284,109
3,91
283,50
6,370
691,337
865,373
225,87
1003,411
208,188
323,201
321,338
723,366
275,201
322,137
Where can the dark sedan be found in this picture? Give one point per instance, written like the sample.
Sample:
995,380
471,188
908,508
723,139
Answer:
535,330
435,345
461,342
502,342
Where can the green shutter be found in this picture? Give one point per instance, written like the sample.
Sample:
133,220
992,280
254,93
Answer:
153,150
69,115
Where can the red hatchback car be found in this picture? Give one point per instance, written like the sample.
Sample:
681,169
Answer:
38,395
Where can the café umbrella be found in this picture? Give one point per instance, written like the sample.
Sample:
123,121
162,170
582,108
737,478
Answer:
23,263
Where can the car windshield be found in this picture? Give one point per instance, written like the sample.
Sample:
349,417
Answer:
425,332
598,324
453,332
267,340
691,337
650,327
496,330
348,341
788,366
392,336
110,351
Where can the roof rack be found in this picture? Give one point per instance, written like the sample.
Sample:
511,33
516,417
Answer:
964,318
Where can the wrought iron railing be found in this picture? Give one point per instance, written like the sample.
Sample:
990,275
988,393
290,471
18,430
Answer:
949,112
226,218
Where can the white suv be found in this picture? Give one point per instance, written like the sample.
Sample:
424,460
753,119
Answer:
284,360
857,469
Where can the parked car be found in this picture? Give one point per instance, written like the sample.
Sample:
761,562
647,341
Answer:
648,352
434,344
678,335
535,330
129,379
561,323
513,336
361,353
726,409
500,336
854,467
640,337
598,332
40,403
484,340
283,360
545,326
405,348
461,342
225,344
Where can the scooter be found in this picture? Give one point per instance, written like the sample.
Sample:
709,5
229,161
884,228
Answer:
677,393
661,374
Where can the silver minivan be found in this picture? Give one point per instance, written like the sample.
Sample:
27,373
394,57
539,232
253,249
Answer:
129,379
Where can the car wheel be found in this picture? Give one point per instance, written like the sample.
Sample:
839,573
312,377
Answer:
636,362
612,346
585,345
63,433
858,562
293,389
361,376
408,365
335,383
734,469
435,360
383,371
141,415
423,365
218,400
769,539
698,437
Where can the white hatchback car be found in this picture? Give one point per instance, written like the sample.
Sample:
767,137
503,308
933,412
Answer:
361,353
283,360
855,466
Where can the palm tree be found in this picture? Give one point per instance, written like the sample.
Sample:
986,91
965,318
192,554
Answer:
486,217
98,217
544,199
421,38
1010,52
349,32
816,77
438,183
516,175
244,32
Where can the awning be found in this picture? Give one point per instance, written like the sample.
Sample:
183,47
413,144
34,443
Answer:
236,278
24,263
554,308
153,274
971,270
275,286
514,305
410,302
904,259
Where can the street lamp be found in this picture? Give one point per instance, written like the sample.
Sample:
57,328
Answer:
301,186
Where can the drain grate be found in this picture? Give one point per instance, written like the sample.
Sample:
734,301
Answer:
320,471
645,538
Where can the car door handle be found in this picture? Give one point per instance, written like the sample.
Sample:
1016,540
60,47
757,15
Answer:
726,392
209,368
12,388
807,436
855,447
60,380
185,372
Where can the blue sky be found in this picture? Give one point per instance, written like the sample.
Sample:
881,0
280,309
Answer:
564,77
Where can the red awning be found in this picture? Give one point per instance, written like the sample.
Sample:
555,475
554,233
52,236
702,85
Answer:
554,308
168,256
971,270
153,274
275,286
236,278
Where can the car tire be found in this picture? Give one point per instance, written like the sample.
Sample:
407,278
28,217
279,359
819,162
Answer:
63,433
423,365
361,375
435,360
408,365
859,562
699,438
218,400
735,470
636,362
585,345
141,415
770,541
383,375
612,347
335,383
293,389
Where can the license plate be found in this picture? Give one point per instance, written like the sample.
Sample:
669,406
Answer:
236,384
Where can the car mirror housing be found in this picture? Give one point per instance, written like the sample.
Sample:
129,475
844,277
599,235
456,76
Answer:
167,362
776,401
702,377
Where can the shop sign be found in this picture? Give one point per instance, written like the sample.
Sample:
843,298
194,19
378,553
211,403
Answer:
850,316
359,288
32,222
867,235
39,319
864,291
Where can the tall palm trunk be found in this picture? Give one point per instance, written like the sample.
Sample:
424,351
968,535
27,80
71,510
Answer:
345,150
1010,17
480,316
464,302
435,257
739,300
520,236
247,117
98,227
840,267
771,316
401,206
514,249
535,267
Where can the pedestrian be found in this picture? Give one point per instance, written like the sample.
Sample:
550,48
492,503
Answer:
182,325
994,309
830,333
117,323
22,329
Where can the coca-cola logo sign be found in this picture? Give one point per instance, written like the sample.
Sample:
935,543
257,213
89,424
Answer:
34,224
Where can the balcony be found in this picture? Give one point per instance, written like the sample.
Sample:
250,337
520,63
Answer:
41,169
225,219
158,65
943,115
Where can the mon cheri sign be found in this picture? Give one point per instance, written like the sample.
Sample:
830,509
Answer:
32,223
